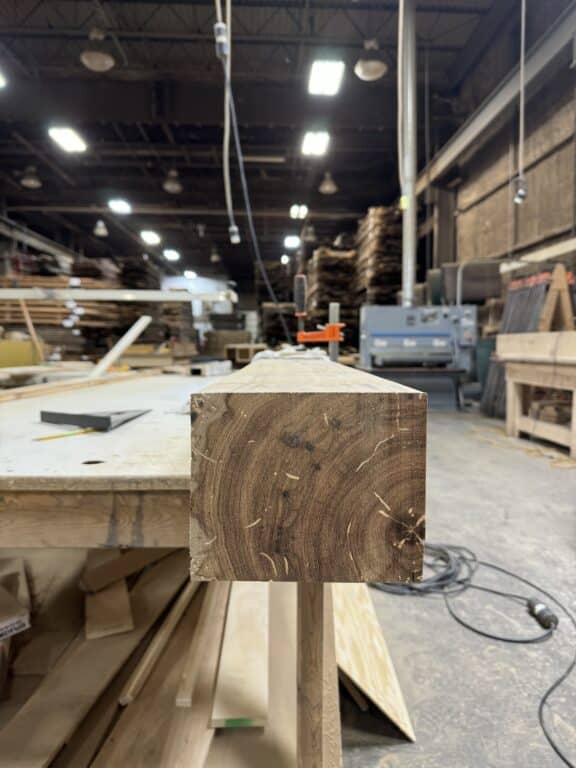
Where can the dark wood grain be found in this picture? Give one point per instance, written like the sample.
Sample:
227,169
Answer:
304,470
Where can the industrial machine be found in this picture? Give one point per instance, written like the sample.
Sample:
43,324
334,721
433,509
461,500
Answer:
430,337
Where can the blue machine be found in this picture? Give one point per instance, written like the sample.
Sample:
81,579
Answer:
432,337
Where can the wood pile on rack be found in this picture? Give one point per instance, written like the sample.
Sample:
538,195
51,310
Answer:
331,274
280,280
215,342
92,314
538,303
379,247
271,326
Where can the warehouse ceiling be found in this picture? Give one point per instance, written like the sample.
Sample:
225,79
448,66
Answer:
159,108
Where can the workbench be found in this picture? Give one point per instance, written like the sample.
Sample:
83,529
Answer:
127,487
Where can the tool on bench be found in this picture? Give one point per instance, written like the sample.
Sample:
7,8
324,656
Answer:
331,333
102,421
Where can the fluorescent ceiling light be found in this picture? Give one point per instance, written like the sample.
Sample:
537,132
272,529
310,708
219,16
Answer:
3,81
171,255
315,143
291,242
150,237
298,211
120,206
189,274
325,77
67,139
285,259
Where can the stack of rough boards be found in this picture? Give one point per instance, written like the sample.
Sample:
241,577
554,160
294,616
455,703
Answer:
170,672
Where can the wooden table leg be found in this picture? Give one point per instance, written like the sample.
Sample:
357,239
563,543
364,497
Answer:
318,708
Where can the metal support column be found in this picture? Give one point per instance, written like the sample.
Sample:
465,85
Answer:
410,154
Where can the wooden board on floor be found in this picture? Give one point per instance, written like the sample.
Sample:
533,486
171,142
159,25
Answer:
137,739
241,697
362,653
191,732
40,655
153,652
214,607
275,744
108,612
307,470
36,734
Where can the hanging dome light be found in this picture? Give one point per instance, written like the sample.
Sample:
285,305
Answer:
172,183
96,57
30,179
100,228
214,256
328,186
369,66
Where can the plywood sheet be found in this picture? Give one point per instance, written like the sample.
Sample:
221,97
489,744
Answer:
363,655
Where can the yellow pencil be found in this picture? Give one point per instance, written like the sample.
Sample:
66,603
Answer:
65,434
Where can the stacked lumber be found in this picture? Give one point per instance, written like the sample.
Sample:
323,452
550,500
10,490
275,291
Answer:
271,326
215,342
331,274
280,281
379,247
90,314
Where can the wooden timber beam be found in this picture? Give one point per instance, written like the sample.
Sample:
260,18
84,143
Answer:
306,470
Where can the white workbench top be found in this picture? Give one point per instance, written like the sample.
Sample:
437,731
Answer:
150,453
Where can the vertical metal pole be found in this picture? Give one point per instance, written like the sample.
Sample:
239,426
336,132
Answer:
410,152
333,317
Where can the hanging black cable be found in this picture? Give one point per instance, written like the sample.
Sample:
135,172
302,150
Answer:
222,52
453,571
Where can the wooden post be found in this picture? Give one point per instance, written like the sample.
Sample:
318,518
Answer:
319,732
513,407
311,747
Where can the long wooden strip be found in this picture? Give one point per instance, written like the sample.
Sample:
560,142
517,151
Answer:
190,732
332,726
46,721
35,390
142,672
307,470
241,697
102,574
213,614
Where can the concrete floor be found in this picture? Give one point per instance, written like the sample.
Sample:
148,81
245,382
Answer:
474,702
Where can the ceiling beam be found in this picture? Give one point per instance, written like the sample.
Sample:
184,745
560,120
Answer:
181,36
479,128
454,9
161,210
262,104
492,24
